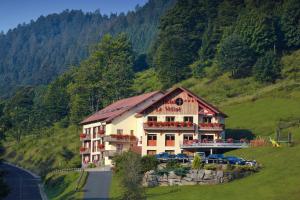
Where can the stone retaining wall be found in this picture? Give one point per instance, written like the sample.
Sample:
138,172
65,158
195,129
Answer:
193,177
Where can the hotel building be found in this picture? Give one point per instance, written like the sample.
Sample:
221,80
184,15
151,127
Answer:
174,121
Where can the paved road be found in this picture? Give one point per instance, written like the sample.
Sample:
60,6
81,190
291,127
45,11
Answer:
97,185
23,186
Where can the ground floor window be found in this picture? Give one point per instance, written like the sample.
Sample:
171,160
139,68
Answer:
170,140
151,152
151,139
172,152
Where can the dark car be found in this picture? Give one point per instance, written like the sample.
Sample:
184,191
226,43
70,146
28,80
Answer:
181,157
163,157
235,160
215,158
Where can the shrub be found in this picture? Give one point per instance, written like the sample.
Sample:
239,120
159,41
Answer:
181,172
197,162
172,165
149,163
91,165
210,167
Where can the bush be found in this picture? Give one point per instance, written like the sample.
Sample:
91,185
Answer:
210,167
181,171
197,162
149,163
171,165
91,165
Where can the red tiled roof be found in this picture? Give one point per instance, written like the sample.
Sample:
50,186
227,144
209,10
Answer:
116,109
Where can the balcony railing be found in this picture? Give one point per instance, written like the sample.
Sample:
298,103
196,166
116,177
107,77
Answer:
84,150
211,126
153,125
215,144
111,153
84,136
119,138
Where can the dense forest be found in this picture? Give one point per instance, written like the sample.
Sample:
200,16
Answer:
36,53
196,38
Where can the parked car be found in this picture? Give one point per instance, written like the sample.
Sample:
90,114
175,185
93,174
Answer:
235,160
165,157
215,158
181,157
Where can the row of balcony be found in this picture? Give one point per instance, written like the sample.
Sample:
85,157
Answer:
188,126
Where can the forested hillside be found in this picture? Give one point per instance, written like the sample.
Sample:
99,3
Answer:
36,53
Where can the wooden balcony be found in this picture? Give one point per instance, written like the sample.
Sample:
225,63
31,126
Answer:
84,137
84,150
115,138
211,127
183,126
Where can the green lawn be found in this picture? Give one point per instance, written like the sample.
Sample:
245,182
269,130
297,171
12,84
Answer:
62,186
279,179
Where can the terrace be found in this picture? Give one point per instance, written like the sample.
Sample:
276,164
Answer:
225,144
184,126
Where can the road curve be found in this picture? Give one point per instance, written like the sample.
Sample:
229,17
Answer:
22,185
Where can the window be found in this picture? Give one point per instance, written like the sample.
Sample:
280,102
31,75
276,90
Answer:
151,140
131,132
119,131
187,137
188,119
151,152
170,119
207,119
170,140
152,119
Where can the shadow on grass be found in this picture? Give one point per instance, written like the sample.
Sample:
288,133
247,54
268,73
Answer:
238,134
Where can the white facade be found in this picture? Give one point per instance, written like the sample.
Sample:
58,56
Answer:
132,128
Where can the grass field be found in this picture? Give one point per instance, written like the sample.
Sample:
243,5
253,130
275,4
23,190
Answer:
62,186
279,179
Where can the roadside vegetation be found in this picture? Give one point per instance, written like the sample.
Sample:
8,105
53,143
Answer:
63,185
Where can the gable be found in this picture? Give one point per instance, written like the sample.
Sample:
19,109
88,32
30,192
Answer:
181,101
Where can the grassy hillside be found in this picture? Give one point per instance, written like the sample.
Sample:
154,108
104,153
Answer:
62,186
54,148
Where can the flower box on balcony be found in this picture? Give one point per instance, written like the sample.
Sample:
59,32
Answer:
101,146
101,132
82,135
82,149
